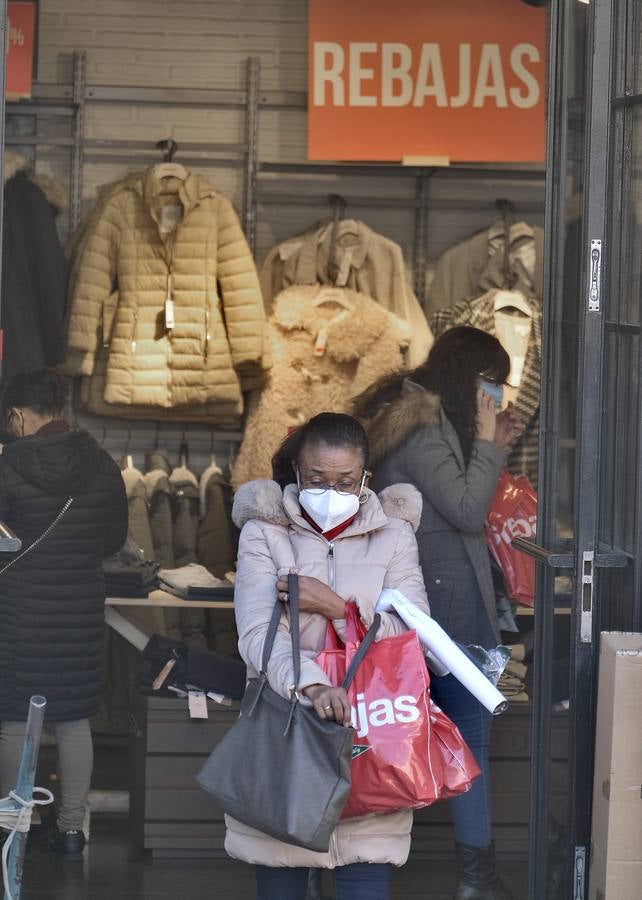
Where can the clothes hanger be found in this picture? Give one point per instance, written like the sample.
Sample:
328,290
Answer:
329,294
167,168
213,461
513,299
509,297
127,461
183,452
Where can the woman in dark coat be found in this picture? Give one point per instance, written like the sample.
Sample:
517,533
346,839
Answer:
61,493
439,429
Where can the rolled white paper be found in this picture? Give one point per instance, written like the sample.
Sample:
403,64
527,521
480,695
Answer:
435,640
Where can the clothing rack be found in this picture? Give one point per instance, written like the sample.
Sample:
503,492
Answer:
266,184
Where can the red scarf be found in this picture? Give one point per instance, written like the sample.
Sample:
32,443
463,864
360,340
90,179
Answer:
52,429
334,532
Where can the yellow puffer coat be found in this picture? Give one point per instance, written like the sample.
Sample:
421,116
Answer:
157,238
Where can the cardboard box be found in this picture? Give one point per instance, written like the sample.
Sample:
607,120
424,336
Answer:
616,845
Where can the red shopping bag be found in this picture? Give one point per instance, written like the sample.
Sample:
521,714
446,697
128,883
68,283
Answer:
406,753
513,513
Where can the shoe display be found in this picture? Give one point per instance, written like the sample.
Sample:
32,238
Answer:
67,843
477,877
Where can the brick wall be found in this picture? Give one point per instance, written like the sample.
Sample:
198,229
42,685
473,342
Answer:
198,44
206,44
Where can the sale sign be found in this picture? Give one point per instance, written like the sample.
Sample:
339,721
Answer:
426,81
21,36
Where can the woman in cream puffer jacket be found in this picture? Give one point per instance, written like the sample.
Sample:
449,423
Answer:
155,239
376,550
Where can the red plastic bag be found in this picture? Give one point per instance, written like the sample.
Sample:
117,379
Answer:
513,513
407,754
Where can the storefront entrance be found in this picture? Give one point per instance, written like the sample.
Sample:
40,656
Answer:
590,534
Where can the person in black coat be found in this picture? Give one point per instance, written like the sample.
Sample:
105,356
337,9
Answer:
64,497
34,271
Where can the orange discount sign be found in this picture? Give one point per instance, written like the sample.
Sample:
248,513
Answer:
21,37
426,79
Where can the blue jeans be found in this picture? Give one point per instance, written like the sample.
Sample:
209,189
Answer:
471,812
359,881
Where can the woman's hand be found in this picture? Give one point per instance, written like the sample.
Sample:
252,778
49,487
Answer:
314,597
508,427
486,416
330,702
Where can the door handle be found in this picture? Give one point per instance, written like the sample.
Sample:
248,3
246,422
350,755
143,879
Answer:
568,560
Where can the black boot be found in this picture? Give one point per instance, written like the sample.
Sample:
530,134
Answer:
315,885
477,878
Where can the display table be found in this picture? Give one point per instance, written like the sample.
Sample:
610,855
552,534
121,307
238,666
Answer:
136,636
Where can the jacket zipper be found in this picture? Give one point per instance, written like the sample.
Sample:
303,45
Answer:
332,568
134,330
206,347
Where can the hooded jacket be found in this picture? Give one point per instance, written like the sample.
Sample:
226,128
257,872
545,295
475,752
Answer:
34,272
51,600
155,239
322,358
376,551
412,440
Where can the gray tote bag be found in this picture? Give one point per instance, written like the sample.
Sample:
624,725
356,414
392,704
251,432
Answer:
280,768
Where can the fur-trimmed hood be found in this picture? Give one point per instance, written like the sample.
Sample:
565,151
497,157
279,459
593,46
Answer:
264,500
14,163
396,421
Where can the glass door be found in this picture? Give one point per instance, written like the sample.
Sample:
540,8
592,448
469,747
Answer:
588,540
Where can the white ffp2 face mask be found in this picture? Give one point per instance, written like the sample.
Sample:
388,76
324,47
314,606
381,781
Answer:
328,509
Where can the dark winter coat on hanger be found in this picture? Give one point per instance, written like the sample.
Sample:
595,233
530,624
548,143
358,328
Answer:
34,271
52,615
217,535
186,502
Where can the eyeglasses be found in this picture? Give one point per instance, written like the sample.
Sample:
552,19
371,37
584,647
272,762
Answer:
345,487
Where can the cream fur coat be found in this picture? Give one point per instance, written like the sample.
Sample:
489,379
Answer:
323,356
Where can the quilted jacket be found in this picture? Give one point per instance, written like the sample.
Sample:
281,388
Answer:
378,550
153,239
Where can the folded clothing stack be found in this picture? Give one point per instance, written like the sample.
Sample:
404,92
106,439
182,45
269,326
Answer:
201,670
194,582
512,682
129,574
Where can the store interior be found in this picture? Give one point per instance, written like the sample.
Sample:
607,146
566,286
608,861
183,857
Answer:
260,290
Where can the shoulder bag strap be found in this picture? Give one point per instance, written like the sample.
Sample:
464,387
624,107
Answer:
364,646
40,538
273,627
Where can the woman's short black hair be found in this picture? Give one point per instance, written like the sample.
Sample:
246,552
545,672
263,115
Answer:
44,392
328,429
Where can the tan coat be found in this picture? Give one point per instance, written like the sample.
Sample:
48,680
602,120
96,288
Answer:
365,261
361,346
376,551
217,339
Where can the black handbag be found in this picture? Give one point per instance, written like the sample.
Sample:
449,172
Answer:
280,768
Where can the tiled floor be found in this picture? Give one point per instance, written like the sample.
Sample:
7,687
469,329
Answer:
112,868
